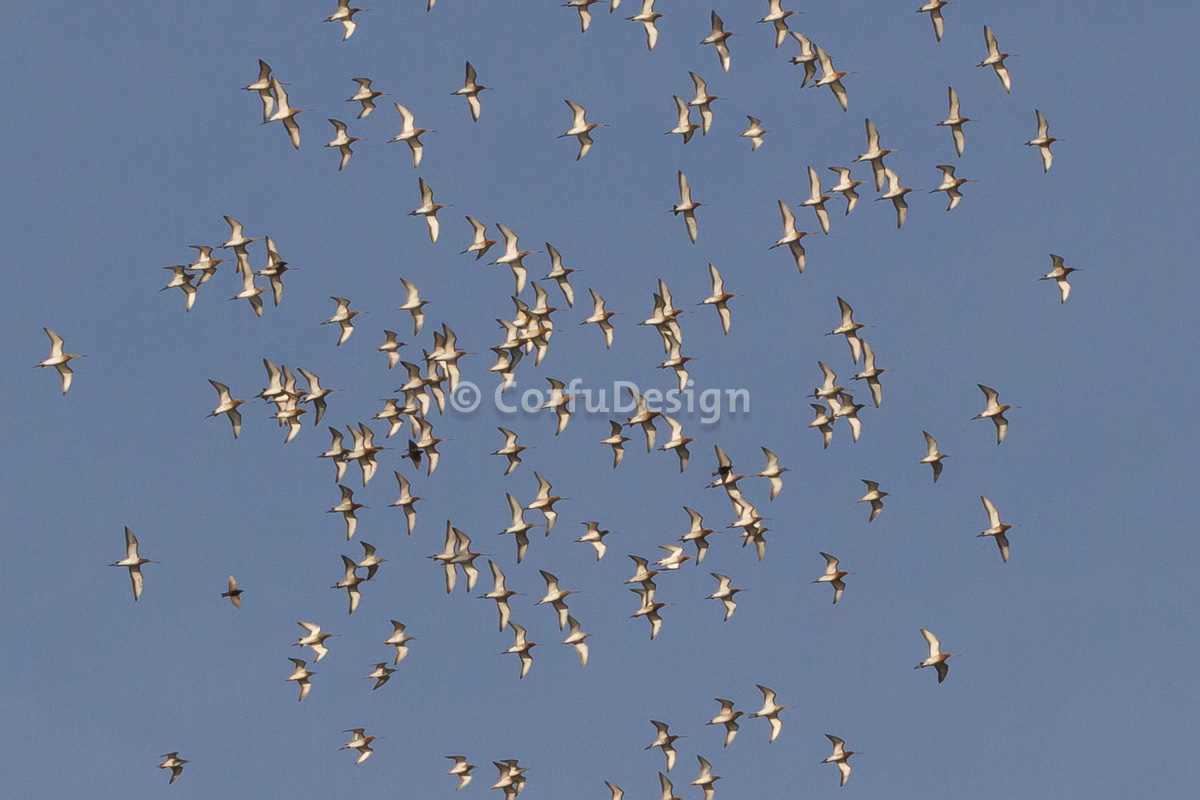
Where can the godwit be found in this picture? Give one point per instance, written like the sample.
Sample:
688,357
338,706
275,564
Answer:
1042,141
936,659
60,360
1059,275
954,121
833,576
994,411
995,59
997,529
718,39
932,456
770,710
840,757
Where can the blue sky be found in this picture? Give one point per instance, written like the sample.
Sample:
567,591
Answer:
129,138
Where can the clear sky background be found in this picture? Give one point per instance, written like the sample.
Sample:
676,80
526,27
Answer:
128,137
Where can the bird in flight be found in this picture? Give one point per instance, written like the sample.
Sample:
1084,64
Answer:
133,561
1059,275
60,360
936,658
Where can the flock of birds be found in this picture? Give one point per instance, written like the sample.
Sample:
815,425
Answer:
527,335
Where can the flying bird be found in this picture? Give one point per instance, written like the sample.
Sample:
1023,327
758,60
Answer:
234,593
381,674
678,442
823,422
263,87
727,717
816,200
518,527
315,639
345,15
511,450
773,472
60,360
593,535
361,743
428,210
874,497
719,298
844,406
365,96
575,638
585,13
950,185
301,675
874,155
521,647
995,59
840,756
581,129
461,770
544,502
649,19
718,38
513,256
342,141
600,317
871,373
1042,141
770,710
414,305
556,597
174,763
833,576
205,264
706,779
684,125
285,113
181,279
251,291
724,593
754,133
228,405
807,57
895,192
343,316
932,456
934,9
846,187
500,593
994,411
481,244
936,659
471,89
954,121
791,237
133,561
849,328
777,16
410,134
832,78
997,529
665,741
399,640
617,442
703,101
1059,275
699,534
346,508
560,275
